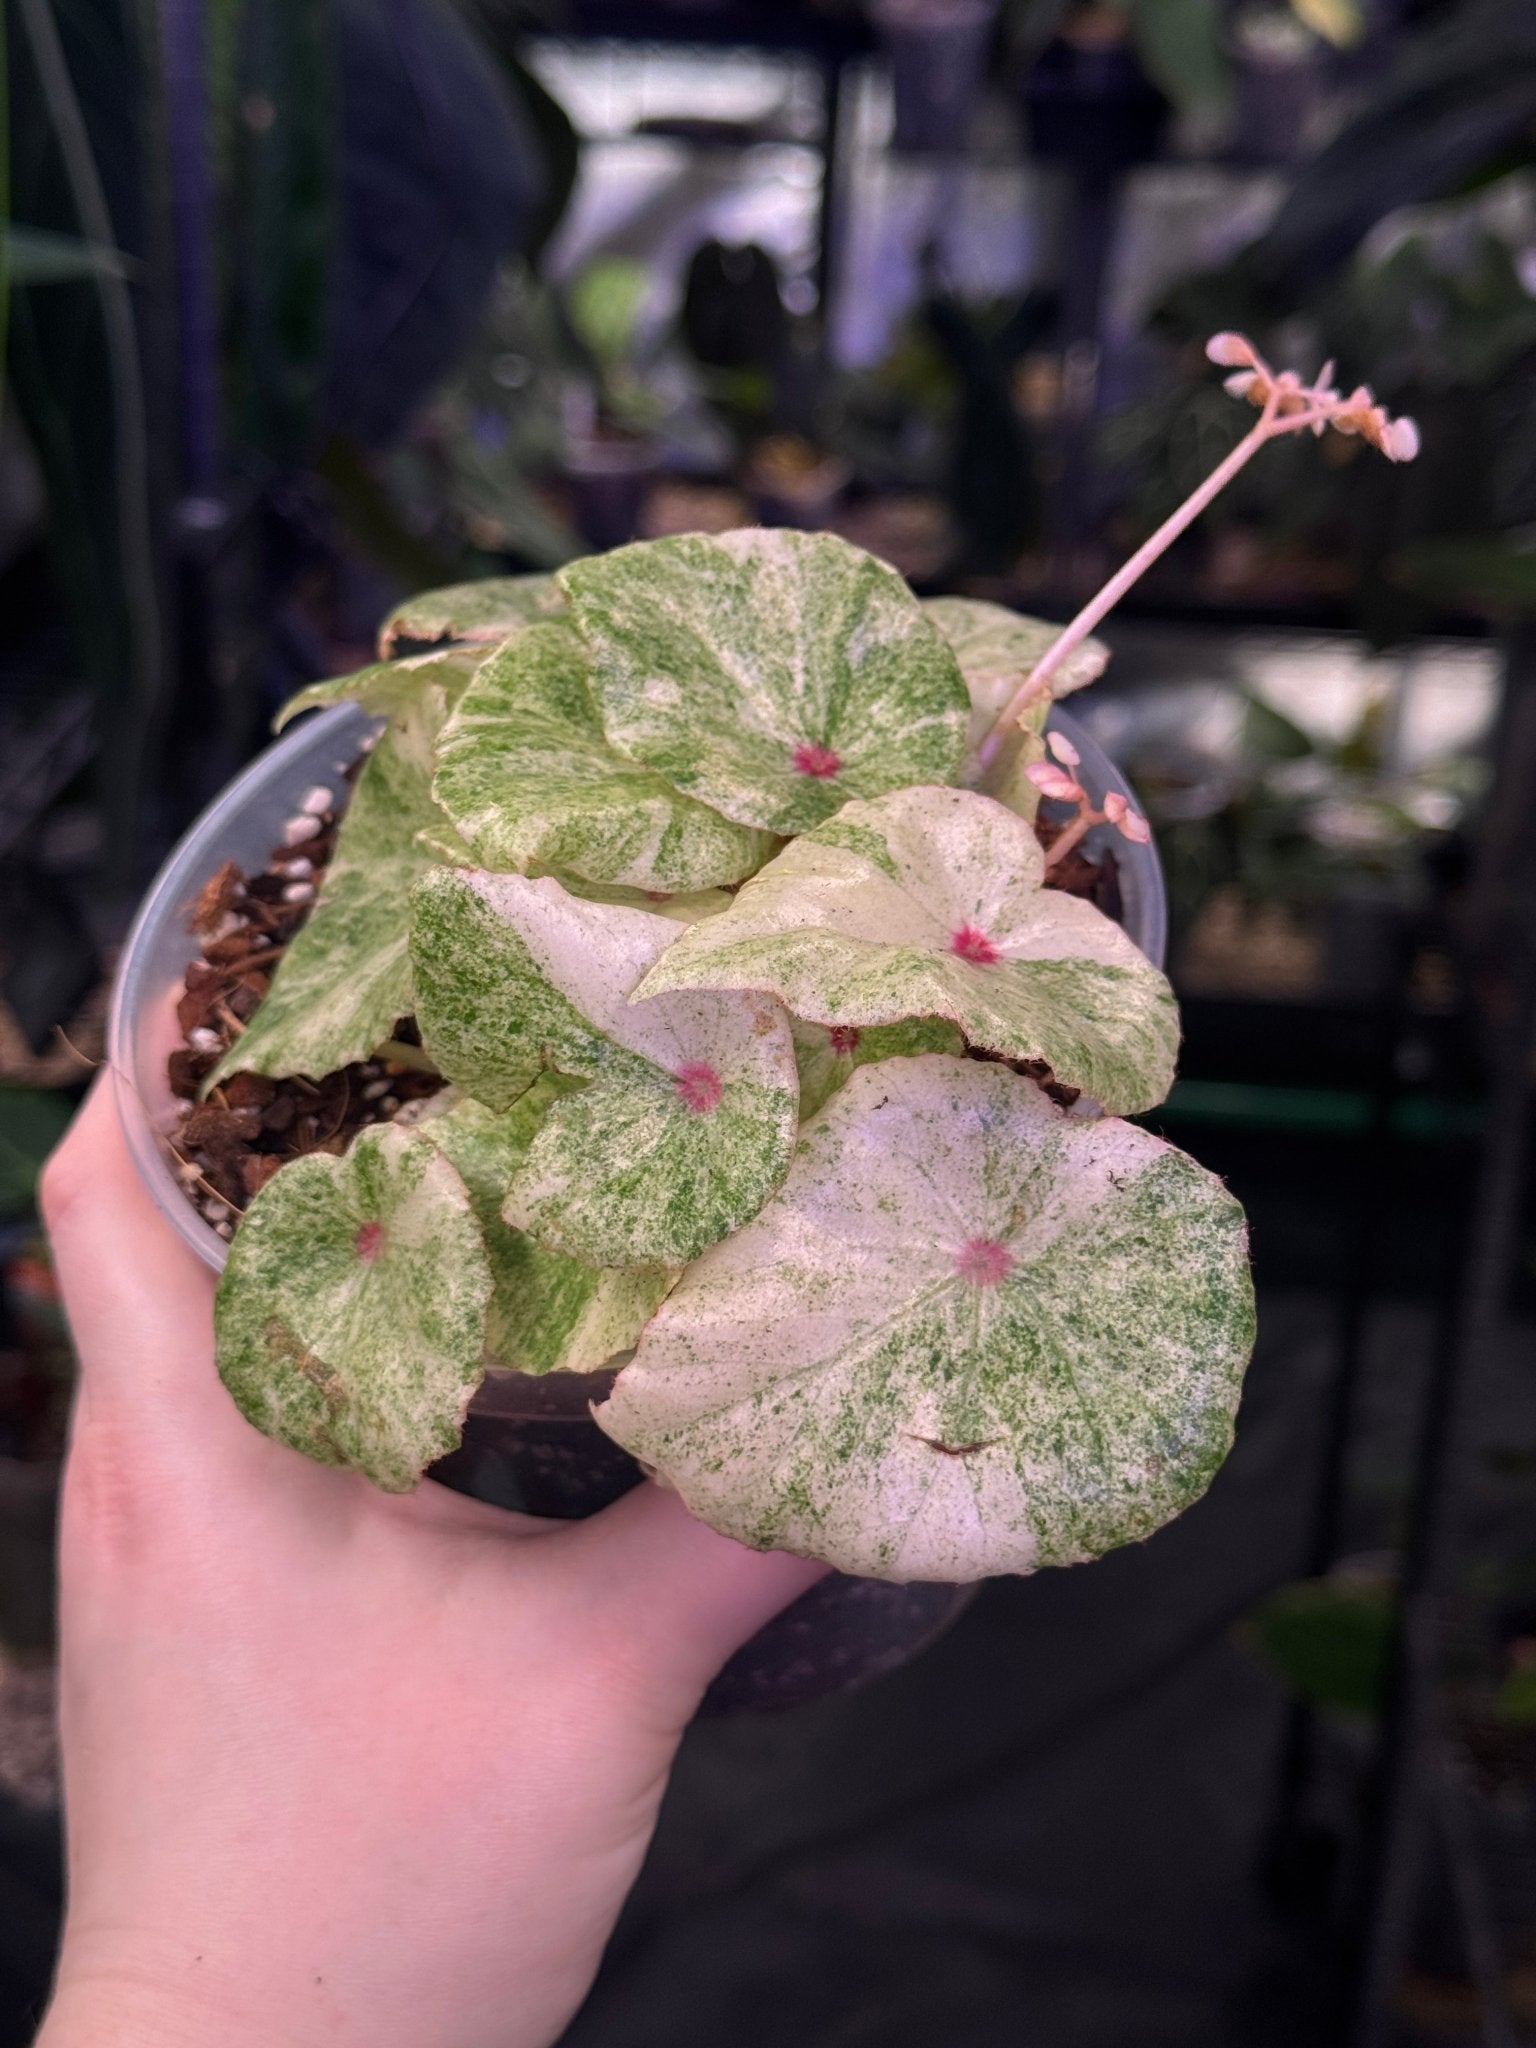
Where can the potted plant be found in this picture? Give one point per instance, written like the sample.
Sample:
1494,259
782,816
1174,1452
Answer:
679,994
612,451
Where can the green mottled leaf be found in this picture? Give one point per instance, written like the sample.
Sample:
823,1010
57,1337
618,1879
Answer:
691,1114
529,780
996,649
969,1335
416,695
351,1315
481,613
929,902
548,1313
769,674
346,977
828,1054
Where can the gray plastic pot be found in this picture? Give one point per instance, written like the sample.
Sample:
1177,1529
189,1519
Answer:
529,1443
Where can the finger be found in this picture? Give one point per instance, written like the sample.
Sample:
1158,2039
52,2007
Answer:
139,1301
684,1597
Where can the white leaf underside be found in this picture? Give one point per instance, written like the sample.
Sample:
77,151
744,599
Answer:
691,1112
350,1316
930,902
969,1335
768,674
531,783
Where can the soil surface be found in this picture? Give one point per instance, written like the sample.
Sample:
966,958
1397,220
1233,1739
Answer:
229,1146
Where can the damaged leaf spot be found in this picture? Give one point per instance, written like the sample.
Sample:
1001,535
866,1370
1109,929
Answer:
957,1450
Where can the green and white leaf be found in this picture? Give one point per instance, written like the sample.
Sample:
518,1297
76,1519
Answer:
350,1318
715,659
857,923
547,1313
827,1056
416,695
531,783
345,979
481,613
996,649
969,1335
517,975
686,908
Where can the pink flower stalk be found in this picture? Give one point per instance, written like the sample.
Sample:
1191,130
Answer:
1051,781
1286,406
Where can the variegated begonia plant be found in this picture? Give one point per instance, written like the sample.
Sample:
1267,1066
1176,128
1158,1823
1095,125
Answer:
707,869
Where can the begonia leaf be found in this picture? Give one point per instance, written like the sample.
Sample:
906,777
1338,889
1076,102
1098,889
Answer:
416,695
929,902
531,783
996,649
827,1054
971,1334
350,1318
691,1112
770,674
686,908
548,1312
480,613
345,979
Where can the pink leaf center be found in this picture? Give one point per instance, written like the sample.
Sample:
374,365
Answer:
973,945
983,1261
699,1086
844,1038
369,1242
812,759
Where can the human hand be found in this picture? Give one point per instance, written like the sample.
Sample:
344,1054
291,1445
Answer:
339,1766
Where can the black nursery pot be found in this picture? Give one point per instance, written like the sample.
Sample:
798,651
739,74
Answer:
529,1443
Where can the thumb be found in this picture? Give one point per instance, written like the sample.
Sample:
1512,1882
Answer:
685,1597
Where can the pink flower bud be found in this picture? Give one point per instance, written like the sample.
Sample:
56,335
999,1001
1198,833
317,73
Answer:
1240,383
1400,440
1235,350
1063,749
1134,826
1054,782
1115,806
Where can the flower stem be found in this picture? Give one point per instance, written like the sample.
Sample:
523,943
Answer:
1139,563
1079,828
